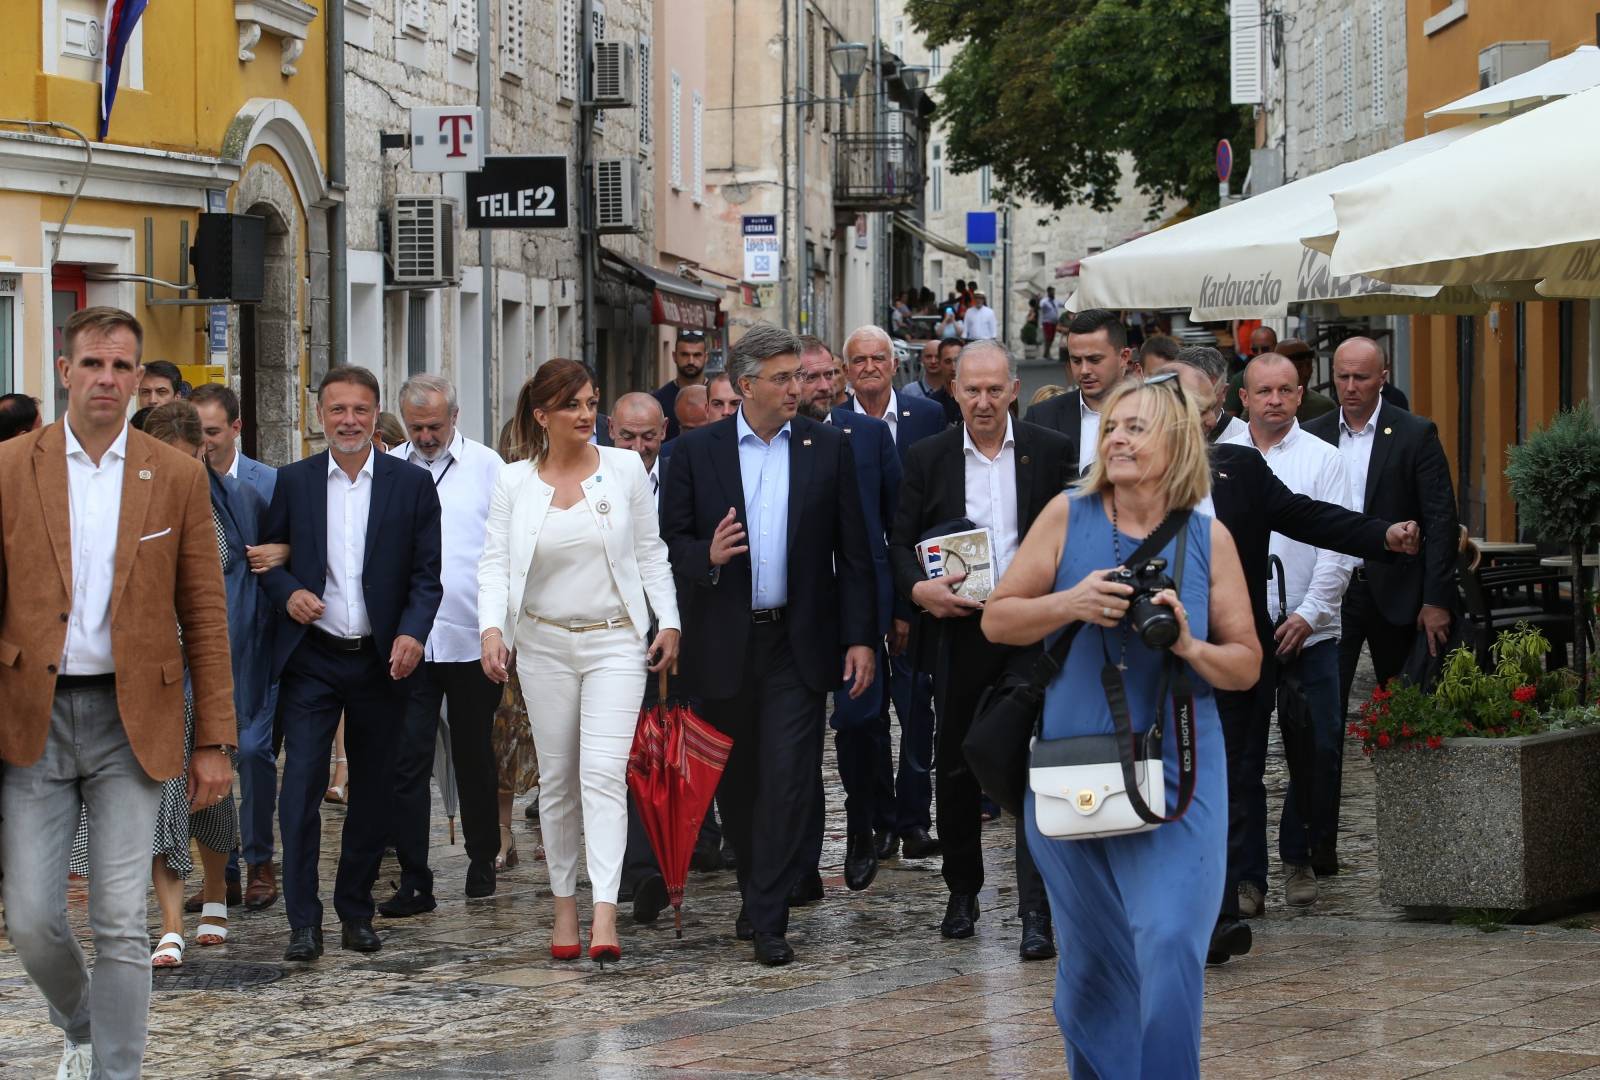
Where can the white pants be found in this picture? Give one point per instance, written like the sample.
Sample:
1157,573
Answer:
583,693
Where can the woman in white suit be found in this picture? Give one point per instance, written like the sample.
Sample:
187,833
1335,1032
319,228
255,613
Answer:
573,570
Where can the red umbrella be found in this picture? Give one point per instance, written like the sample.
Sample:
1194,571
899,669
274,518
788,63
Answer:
673,769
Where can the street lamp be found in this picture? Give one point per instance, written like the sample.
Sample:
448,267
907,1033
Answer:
849,60
914,77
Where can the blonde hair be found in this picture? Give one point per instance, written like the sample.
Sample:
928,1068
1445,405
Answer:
1172,417
1046,392
176,422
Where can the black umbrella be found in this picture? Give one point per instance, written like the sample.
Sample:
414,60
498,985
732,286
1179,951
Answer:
1294,717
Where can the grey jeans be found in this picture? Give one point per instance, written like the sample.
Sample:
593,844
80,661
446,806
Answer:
86,760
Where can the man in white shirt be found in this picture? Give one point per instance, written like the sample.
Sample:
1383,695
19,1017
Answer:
1307,654
463,474
980,322
1049,316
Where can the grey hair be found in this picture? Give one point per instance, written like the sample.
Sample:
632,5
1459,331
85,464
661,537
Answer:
987,345
415,391
761,342
1204,359
877,333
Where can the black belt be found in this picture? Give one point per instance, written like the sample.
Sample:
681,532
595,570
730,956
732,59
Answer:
108,681
336,643
766,615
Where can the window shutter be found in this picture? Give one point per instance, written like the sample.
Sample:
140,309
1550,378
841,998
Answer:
598,34
698,191
415,15
1319,90
513,38
569,50
464,27
1347,74
675,123
646,136
1380,64
1244,20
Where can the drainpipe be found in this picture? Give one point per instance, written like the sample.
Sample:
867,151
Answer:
588,239
338,249
785,271
802,26
486,301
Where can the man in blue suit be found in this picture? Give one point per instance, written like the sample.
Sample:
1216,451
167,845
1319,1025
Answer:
218,407
869,365
355,602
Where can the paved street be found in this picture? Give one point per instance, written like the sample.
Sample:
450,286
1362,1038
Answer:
1350,990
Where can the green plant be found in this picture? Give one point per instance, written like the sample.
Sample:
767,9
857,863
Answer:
1555,479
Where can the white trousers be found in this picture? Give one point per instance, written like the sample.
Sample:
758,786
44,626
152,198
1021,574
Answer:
583,693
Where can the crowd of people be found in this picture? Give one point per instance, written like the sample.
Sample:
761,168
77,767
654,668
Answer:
174,612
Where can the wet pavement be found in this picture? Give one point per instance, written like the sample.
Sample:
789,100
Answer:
1348,989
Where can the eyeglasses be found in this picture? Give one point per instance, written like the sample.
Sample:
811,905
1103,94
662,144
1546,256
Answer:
1167,378
783,378
691,337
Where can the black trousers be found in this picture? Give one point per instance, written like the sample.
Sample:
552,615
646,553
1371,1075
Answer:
472,699
1246,717
1390,646
319,685
773,783
969,664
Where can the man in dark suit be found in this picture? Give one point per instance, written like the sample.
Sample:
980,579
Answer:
860,725
355,602
1097,359
996,473
1253,503
763,515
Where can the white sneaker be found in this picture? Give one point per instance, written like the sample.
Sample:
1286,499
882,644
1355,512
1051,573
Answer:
77,1062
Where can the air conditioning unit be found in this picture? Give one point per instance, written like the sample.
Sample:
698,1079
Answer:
1503,59
422,241
616,195
613,75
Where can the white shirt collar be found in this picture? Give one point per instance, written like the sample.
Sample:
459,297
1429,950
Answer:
743,428
118,447
233,466
890,410
457,440
366,466
1372,421
1286,443
1084,409
968,444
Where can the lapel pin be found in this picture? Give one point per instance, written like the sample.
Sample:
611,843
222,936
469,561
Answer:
805,442
1025,459
144,474
603,506
1388,431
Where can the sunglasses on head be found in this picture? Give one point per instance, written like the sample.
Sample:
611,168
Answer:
1164,379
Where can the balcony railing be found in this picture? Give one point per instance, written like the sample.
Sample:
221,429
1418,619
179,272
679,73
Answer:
876,171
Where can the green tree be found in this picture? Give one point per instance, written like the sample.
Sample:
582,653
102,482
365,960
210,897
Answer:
1050,93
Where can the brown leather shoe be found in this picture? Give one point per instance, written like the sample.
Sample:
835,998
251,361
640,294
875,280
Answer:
263,889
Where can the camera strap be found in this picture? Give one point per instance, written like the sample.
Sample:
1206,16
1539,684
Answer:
1174,682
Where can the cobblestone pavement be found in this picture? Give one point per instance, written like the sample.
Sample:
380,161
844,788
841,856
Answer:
1347,990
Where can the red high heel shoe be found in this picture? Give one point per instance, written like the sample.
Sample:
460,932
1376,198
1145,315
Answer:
564,952
601,953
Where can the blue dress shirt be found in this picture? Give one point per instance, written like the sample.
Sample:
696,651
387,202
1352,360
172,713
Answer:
764,474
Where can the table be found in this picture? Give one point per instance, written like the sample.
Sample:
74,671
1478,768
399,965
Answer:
1564,562
1492,548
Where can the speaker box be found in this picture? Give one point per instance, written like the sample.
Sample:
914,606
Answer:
229,257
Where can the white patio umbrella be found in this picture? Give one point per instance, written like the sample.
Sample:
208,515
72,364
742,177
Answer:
1245,260
1514,202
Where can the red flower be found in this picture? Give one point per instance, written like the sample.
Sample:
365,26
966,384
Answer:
1380,694
1434,742
1516,714
1405,729
1525,694
1383,740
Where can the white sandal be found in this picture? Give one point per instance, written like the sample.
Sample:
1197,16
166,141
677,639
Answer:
170,947
214,932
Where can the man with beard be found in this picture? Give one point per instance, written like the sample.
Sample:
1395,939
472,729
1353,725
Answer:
689,354
463,473
352,617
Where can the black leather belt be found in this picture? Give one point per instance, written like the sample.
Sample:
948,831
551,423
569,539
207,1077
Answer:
108,681
767,615
336,643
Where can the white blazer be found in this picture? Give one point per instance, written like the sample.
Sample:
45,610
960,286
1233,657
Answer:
618,496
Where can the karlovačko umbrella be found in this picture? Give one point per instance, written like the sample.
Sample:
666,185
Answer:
673,769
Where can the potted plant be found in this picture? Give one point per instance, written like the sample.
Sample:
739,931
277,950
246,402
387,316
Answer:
1555,480
1486,784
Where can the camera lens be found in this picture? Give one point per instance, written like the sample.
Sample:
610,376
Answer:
1155,623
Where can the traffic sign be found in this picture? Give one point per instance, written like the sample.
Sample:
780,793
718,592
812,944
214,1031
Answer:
761,248
1224,160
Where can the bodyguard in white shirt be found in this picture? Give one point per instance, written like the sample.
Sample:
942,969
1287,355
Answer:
463,473
1307,655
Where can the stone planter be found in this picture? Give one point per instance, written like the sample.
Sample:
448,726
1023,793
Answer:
1490,823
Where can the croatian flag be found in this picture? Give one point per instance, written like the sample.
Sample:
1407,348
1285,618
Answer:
121,17
935,561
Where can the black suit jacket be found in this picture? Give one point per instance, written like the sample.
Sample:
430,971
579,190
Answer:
934,489
1253,503
831,593
400,574
1408,479
1062,413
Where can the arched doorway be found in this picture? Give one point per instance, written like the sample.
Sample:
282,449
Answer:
269,352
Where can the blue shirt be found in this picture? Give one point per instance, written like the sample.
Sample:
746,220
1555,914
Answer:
764,474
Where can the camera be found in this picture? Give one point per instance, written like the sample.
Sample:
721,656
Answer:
1155,623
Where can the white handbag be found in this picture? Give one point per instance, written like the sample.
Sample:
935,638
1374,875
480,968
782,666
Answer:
1079,792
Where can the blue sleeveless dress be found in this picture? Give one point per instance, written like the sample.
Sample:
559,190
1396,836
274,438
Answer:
1134,914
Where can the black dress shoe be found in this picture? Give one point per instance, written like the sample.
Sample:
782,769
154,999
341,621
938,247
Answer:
1231,938
706,858
917,844
772,950
359,937
480,879
960,916
808,890
531,811
1037,941
860,861
305,945
649,898
888,843
406,903
730,858
741,926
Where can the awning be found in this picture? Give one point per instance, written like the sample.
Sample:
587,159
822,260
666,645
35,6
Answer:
1570,74
674,301
1246,260
917,229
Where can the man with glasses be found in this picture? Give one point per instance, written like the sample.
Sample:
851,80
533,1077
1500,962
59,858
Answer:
689,355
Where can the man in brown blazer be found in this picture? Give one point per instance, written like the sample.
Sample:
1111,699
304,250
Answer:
107,546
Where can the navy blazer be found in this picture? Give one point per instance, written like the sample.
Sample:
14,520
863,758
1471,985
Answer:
918,419
400,577
240,508
831,602
262,478
878,476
